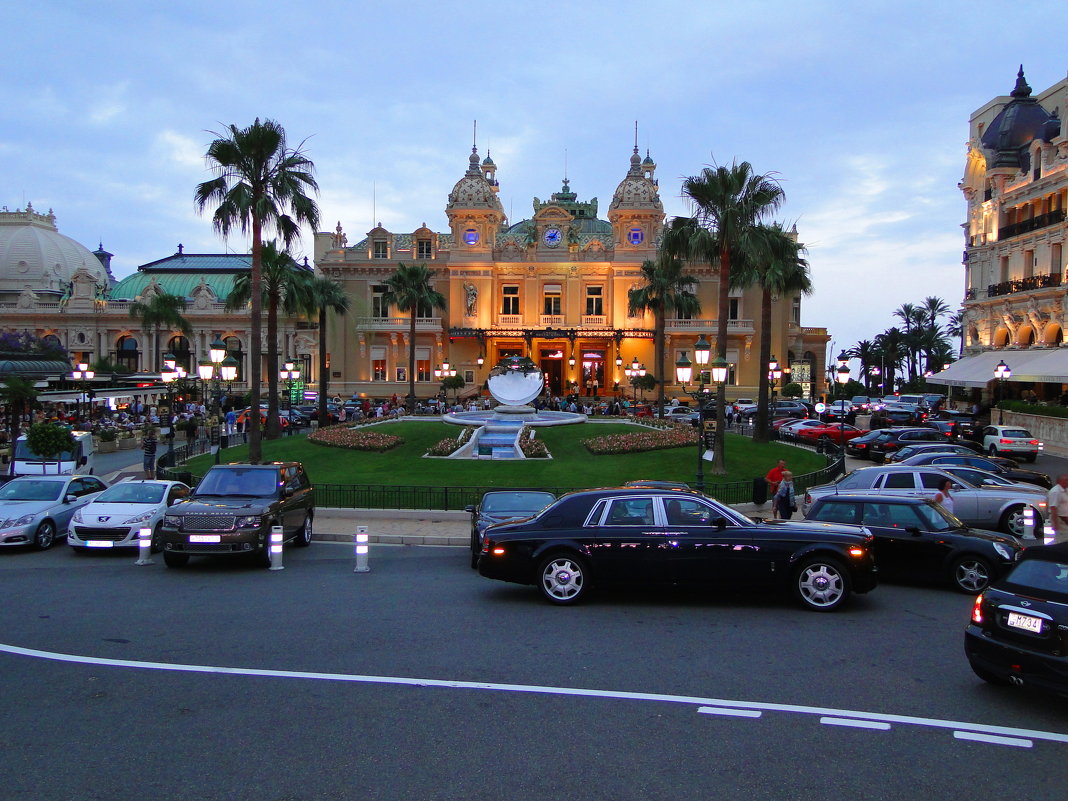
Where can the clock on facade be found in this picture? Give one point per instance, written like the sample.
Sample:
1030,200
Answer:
552,237
635,236
471,236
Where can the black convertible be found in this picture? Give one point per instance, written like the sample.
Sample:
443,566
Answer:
644,536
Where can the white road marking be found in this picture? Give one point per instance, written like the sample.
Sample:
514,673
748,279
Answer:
856,724
735,713
989,738
962,730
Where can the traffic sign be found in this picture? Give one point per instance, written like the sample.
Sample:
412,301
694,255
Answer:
821,408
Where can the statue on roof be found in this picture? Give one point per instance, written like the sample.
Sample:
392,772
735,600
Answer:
339,238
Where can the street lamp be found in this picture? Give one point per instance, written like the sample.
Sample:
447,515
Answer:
83,375
843,379
1002,373
774,374
289,373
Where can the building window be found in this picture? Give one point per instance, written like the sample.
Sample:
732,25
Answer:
732,308
510,300
378,363
422,364
795,311
381,251
126,354
179,346
424,311
423,249
379,307
551,295
470,237
594,300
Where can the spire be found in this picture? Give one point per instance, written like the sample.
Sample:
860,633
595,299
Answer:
1021,89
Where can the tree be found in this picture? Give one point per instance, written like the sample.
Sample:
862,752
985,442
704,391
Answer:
49,440
259,178
892,352
774,263
17,394
666,289
320,296
728,203
955,328
868,356
409,289
283,282
161,310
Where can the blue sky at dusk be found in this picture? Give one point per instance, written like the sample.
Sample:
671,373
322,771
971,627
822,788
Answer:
861,109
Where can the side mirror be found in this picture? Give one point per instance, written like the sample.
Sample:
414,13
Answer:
287,492
84,460
719,522
469,508
70,498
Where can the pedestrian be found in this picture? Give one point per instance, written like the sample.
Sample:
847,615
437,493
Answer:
945,496
231,421
784,500
148,445
190,430
774,477
1057,502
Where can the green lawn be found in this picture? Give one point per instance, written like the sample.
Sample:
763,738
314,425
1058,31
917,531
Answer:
572,466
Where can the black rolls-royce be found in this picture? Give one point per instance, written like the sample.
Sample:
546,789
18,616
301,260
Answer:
643,536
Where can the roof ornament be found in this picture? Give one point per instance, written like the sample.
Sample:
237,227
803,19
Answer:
180,248
1021,89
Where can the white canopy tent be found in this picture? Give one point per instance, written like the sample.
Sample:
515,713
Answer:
1043,365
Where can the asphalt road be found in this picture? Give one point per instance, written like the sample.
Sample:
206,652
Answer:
422,680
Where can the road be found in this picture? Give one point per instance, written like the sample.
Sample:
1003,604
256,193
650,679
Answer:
422,680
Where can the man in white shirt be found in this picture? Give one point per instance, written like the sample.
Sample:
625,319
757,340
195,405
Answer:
1057,502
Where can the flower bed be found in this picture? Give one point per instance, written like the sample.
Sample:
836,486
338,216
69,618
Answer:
447,446
669,435
344,435
532,447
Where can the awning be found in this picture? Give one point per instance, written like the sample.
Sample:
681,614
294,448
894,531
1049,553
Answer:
1039,365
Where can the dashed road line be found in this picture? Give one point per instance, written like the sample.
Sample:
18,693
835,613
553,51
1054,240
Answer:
978,732
854,723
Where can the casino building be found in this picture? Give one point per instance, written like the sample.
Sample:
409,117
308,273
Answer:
552,287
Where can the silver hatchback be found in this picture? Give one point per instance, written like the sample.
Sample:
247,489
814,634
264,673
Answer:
987,507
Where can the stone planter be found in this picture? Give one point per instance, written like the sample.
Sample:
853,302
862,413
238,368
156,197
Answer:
108,447
127,444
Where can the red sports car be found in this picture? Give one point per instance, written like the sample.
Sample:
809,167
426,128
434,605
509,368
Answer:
829,432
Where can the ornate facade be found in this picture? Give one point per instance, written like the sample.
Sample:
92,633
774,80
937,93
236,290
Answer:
553,287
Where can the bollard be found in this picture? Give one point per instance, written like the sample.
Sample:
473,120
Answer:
275,548
1029,522
144,547
361,540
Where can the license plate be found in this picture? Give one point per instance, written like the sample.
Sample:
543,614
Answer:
205,538
1025,622
99,544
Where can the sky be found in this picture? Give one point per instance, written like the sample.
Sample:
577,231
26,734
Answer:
860,110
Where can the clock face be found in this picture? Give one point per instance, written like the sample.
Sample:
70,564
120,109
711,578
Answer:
471,236
552,237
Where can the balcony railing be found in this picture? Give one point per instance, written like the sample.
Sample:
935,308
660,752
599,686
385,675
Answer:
708,326
551,320
594,320
398,323
509,319
1024,226
1023,285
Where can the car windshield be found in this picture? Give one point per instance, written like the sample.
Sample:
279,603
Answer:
1051,578
24,454
132,493
32,490
516,502
258,483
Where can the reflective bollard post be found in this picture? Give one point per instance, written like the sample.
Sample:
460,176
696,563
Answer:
361,539
144,547
275,546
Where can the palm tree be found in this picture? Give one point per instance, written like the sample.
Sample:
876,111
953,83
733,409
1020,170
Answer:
161,310
17,394
282,282
892,351
258,179
776,265
868,356
912,316
932,308
729,202
316,298
955,328
409,289
666,289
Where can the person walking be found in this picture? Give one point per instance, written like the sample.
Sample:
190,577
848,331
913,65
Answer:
1057,503
945,496
774,477
149,444
785,500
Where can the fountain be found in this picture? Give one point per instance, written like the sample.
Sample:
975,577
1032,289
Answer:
513,383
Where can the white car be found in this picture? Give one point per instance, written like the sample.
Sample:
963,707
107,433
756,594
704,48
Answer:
1011,441
745,407
116,516
680,413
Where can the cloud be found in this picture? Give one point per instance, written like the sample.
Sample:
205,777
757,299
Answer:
178,149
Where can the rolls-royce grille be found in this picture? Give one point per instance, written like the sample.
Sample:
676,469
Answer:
101,534
208,523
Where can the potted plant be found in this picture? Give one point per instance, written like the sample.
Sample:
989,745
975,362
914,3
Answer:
127,441
109,440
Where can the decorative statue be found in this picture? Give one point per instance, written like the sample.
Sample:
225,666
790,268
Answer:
470,299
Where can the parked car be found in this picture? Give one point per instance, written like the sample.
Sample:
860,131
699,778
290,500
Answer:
115,517
983,463
33,509
233,508
680,413
840,409
965,421
618,536
897,414
908,451
860,446
1001,508
500,506
829,432
791,428
1016,635
894,438
916,538
243,417
1012,440
745,407
864,404
788,408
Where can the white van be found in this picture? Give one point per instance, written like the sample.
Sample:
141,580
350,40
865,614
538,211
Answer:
76,461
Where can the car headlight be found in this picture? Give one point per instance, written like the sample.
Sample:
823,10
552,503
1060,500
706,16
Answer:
25,520
1003,551
251,521
77,516
172,521
142,518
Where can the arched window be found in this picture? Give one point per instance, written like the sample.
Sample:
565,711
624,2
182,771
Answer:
183,356
126,354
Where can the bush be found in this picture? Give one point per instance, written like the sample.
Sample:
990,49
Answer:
672,435
532,448
344,435
108,435
1030,408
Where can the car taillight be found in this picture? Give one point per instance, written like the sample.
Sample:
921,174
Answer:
977,610
1005,441
808,499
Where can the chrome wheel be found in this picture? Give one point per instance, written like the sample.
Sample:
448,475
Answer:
45,536
1014,523
304,537
562,579
971,574
822,585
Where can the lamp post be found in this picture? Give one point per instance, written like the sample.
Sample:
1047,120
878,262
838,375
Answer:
774,374
706,427
444,371
1002,373
289,373
843,379
83,375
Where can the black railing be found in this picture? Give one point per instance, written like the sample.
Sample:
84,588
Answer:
1033,224
1024,284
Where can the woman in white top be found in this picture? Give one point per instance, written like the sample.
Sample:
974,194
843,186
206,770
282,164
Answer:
944,496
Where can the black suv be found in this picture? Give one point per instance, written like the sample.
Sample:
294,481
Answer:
233,508
890,439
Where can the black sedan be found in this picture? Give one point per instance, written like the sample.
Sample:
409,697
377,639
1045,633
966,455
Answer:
978,462
1018,632
642,537
915,538
500,506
